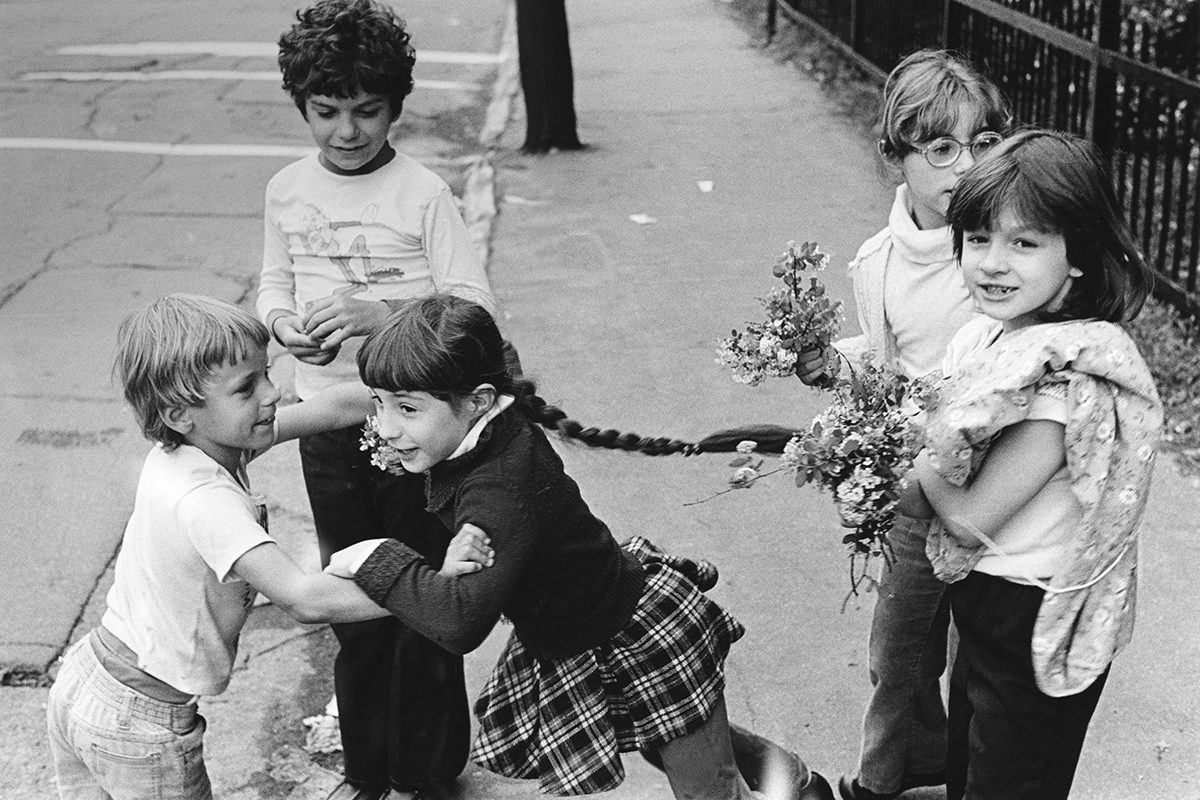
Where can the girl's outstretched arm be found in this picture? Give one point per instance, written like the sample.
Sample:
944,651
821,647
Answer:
337,407
1022,459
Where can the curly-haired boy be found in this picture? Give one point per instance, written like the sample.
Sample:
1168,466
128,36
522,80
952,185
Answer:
348,230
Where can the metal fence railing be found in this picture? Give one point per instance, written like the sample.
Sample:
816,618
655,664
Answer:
1123,74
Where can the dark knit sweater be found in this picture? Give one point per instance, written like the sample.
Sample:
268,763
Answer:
558,575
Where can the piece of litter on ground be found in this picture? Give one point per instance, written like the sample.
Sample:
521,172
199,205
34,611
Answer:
323,735
642,219
517,200
705,186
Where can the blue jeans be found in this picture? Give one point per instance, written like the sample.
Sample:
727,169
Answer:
904,727
402,700
108,740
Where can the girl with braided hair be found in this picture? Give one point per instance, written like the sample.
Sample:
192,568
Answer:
615,648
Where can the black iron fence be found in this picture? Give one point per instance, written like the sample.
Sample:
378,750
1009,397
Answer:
1125,73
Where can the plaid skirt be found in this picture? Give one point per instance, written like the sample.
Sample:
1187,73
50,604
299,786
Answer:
565,721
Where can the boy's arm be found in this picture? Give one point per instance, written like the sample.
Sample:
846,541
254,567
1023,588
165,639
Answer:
1022,459
276,281
307,597
276,303
331,409
453,260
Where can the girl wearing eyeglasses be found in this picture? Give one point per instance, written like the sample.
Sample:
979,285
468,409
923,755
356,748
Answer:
939,116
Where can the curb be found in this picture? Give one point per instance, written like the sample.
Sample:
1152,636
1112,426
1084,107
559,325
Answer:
479,192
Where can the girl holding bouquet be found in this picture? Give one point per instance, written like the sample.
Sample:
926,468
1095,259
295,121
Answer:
1037,463
940,115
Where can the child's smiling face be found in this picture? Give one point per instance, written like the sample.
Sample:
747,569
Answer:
1016,272
350,131
424,430
238,412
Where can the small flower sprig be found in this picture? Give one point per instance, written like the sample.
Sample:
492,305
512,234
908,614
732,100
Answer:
383,455
800,316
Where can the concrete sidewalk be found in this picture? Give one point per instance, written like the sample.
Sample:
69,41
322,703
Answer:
618,274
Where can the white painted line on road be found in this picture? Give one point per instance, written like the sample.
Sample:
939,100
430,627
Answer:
248,50
208,75
156,148
167,149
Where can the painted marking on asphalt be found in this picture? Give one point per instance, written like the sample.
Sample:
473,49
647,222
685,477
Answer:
209,75
249,50
156,148
167,149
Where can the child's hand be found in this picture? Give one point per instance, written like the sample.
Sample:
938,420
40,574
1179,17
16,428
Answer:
345,562
287,331
469,551
333,319
912,502
810,365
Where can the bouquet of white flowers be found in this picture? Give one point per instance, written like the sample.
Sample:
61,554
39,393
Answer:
859,449
800,317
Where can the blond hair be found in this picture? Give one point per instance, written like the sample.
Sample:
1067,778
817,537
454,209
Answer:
922,97
167,351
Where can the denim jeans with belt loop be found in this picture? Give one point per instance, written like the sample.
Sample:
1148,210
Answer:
108,740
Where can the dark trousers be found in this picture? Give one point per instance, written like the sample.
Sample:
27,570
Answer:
1007,740
547,81
402,700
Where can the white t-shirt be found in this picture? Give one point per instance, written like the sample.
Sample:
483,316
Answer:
391,234
1036,541
173,600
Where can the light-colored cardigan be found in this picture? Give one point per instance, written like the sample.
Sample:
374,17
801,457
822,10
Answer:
1113,420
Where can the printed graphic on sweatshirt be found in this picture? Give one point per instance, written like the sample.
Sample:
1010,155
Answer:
345,244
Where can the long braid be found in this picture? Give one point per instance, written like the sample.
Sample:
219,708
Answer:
447,346
769,438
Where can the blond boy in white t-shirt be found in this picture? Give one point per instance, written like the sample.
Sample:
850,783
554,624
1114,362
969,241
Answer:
123,714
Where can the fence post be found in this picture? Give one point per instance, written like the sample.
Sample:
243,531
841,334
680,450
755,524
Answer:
855,26
772,18
1102,122
945,34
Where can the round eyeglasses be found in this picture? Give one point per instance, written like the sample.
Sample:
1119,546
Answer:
945,151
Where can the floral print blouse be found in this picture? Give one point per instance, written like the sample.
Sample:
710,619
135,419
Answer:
1113,421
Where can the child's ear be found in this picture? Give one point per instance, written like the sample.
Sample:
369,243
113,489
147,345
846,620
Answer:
482,398
178,419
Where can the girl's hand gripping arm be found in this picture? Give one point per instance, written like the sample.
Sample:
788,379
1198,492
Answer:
469,551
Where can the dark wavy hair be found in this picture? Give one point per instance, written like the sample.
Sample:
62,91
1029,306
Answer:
338,48
1059,182
447,346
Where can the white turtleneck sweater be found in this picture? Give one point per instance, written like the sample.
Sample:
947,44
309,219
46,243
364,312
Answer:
910,293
